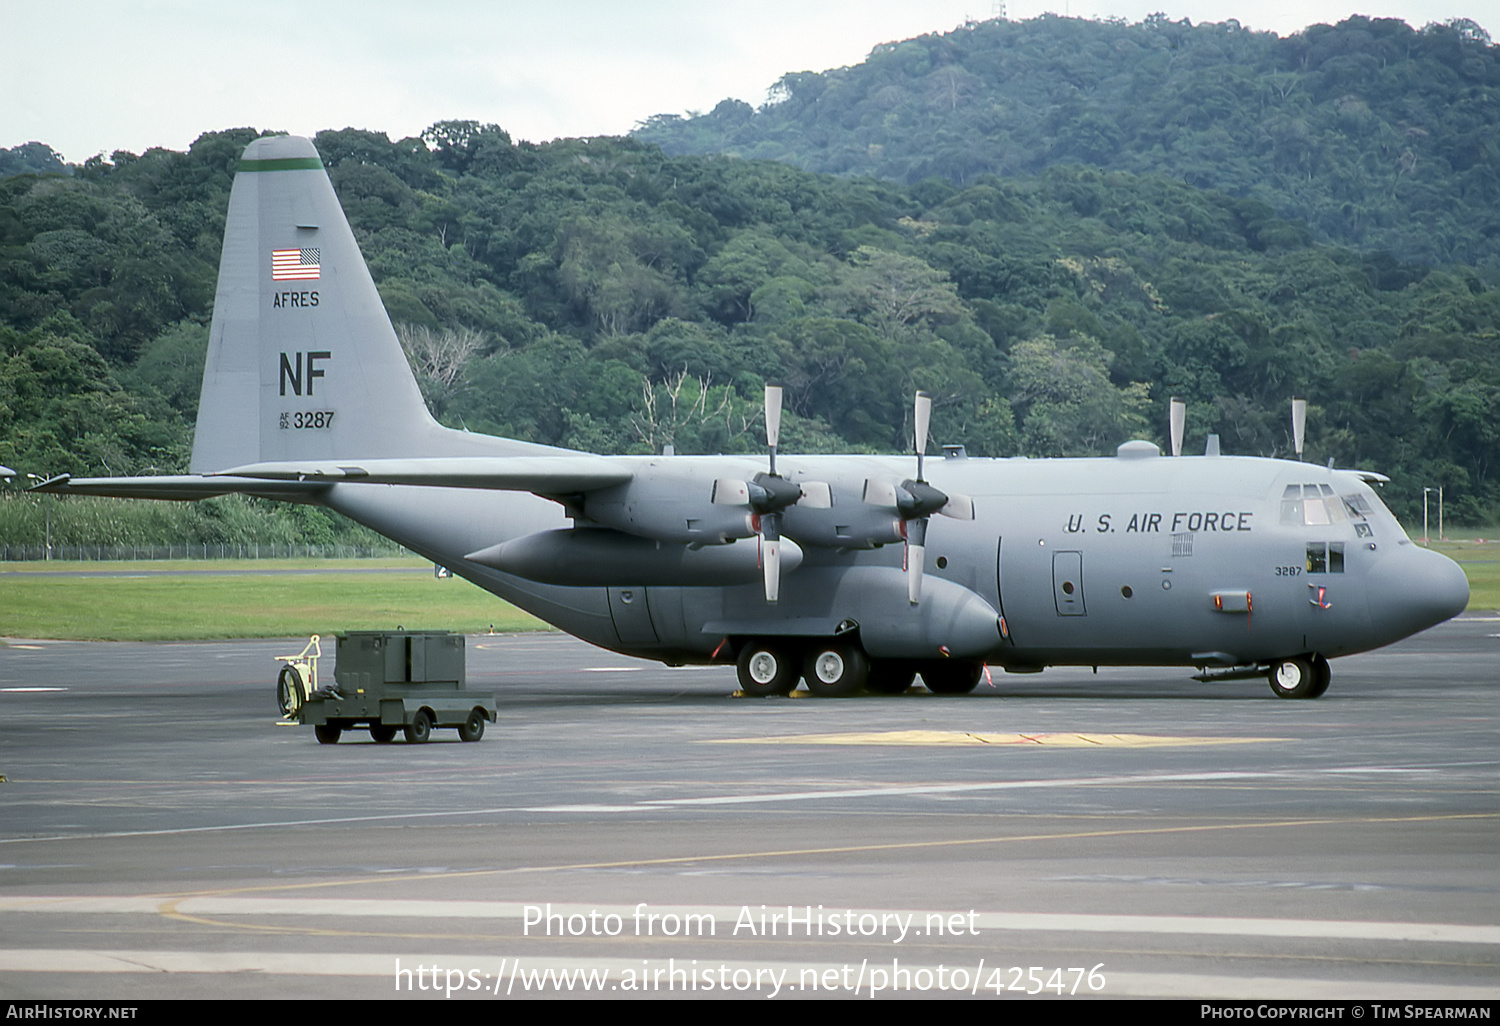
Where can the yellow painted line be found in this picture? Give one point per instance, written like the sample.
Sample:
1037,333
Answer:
944,738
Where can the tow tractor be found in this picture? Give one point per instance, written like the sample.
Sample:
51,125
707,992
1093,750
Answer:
411,681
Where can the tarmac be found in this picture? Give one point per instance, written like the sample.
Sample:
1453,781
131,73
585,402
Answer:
627,829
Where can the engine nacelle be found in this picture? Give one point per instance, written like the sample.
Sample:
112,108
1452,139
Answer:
669,509
843,525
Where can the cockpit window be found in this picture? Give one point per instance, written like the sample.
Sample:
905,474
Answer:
1325,557
1291,505
1318,505
1314,512
1310,505
1317,558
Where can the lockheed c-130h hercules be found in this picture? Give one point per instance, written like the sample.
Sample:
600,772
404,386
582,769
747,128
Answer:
846,571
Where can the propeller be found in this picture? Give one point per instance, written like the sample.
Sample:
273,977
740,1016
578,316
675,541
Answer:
1299,424
768,495
916,501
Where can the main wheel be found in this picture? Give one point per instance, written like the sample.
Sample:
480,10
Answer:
890,676
419,729
472,728
328,733
836,670
383,732
1293,678
290,691
1322,674
952,678
766,669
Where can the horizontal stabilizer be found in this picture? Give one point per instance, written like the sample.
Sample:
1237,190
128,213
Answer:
550,475
186,487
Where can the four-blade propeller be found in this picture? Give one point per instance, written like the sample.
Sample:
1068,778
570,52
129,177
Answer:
915,501
768,495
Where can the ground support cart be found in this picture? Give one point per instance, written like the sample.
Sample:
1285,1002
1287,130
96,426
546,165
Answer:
412,681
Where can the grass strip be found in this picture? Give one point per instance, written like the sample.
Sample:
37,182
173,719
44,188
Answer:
1481,563
312,599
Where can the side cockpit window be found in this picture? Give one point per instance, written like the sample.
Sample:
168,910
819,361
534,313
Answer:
1325,557
1359,510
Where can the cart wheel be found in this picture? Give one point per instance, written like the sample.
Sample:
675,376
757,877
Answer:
328,733
473,727
290,691
420,728
383,732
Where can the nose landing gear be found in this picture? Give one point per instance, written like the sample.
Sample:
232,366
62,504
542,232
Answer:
1300,677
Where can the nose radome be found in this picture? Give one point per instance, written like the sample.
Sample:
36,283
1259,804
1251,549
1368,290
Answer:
1414,589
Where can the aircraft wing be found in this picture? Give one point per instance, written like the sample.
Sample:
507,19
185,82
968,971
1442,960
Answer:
186,487
544,475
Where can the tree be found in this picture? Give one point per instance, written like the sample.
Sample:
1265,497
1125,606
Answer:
896,294
1065,401
439,359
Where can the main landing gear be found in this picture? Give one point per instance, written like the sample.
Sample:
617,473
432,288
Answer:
839,668
1301,677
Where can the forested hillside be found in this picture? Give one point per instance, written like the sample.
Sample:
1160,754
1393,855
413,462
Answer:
1377,135
600,294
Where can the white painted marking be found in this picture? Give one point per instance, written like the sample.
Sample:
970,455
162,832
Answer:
27,690
659,804
1225,926
610,669
921,789
584,808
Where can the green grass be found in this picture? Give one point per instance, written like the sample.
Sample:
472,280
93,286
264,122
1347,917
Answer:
229,566
1480,560
321,598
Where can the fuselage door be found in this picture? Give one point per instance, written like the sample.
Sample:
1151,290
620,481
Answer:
1000,590
1067,583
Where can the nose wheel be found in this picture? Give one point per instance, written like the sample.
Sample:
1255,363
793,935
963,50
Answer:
1302,677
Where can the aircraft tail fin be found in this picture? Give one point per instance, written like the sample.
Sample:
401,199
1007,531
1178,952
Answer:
303,362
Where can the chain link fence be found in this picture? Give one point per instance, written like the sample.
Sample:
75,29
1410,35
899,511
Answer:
206,550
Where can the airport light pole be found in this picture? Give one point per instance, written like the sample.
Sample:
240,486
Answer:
1425,539
47,554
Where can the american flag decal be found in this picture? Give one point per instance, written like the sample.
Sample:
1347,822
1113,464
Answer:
294,265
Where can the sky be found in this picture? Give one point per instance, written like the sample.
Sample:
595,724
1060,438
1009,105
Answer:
95,76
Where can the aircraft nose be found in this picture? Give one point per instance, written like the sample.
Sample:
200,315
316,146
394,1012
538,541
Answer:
1414,589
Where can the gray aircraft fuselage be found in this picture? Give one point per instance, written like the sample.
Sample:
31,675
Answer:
1145,543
